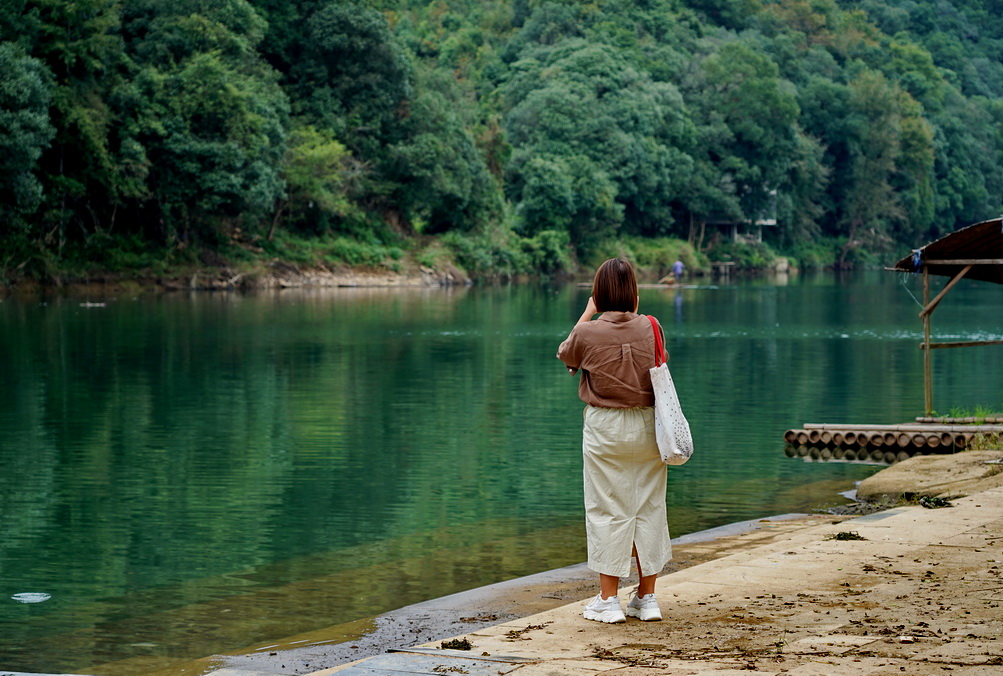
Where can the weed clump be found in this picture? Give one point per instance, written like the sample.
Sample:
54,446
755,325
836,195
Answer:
846,535
934,503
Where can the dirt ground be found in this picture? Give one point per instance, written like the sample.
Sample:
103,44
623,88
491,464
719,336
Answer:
905,590
477,609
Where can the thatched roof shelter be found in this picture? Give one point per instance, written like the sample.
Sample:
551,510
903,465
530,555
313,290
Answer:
979,245
975,252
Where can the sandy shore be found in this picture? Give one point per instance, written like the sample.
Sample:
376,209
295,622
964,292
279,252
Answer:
905,590
491,605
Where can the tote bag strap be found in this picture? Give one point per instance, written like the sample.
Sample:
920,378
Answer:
659,347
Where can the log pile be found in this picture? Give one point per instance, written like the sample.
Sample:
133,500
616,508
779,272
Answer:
881,443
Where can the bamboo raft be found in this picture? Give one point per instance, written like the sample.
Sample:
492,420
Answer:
882,443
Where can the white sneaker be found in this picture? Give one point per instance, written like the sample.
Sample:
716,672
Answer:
644,608
604,610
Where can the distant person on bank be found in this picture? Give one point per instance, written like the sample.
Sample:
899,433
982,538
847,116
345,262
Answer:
677,270
624,474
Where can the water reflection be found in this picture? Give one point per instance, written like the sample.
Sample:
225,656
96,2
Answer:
192,474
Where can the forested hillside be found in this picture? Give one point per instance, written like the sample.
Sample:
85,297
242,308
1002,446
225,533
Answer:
508,135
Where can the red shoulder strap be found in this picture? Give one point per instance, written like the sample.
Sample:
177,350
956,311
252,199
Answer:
659,347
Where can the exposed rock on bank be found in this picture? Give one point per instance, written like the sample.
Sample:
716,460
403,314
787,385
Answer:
935,475
284,275
275,274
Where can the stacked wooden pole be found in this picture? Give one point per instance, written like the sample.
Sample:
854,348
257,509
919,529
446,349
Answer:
881,443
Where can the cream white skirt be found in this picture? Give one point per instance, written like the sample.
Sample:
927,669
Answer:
624,491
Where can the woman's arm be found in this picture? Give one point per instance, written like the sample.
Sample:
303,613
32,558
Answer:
590,312
565,348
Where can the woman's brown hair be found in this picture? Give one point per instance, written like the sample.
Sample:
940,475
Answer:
614,288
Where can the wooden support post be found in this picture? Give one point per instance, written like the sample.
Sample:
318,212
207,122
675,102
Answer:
927,352
929,307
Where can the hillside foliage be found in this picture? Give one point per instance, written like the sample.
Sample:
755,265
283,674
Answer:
522,134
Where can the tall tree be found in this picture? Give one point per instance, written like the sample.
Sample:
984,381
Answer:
321,176
79,42
585,108
747,121
871,205
25,132
353,76
204,116
441,176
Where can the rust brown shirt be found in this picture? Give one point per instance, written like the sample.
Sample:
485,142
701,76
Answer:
614,353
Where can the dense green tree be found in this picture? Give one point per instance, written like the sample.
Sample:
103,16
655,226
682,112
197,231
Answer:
546,194
79,44
203,115
284,41
872,207
442,176
747,124
321,176
25,132
169,33
578,102
352,76
965,38
549,24
800,194
825,115
914,179
874,123
732,14
968,173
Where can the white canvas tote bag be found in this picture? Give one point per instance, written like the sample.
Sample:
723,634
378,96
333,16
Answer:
672,431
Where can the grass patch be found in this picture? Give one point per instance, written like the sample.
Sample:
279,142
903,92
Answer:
650,256
815,253
337,250
979,414
986,441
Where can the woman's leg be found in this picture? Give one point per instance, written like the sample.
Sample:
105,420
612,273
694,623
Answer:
646,583
609,585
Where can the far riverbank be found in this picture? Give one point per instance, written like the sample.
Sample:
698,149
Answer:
423,261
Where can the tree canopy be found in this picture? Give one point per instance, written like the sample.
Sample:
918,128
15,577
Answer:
864,124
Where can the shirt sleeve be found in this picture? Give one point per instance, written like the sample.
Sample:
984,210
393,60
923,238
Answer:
570,351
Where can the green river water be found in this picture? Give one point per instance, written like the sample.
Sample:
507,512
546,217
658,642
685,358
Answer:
183,475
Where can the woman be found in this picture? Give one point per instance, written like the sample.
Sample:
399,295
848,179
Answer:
624,474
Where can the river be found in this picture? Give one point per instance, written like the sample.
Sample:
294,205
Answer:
189,474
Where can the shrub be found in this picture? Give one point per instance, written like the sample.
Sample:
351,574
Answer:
548,251
745,255
652,255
